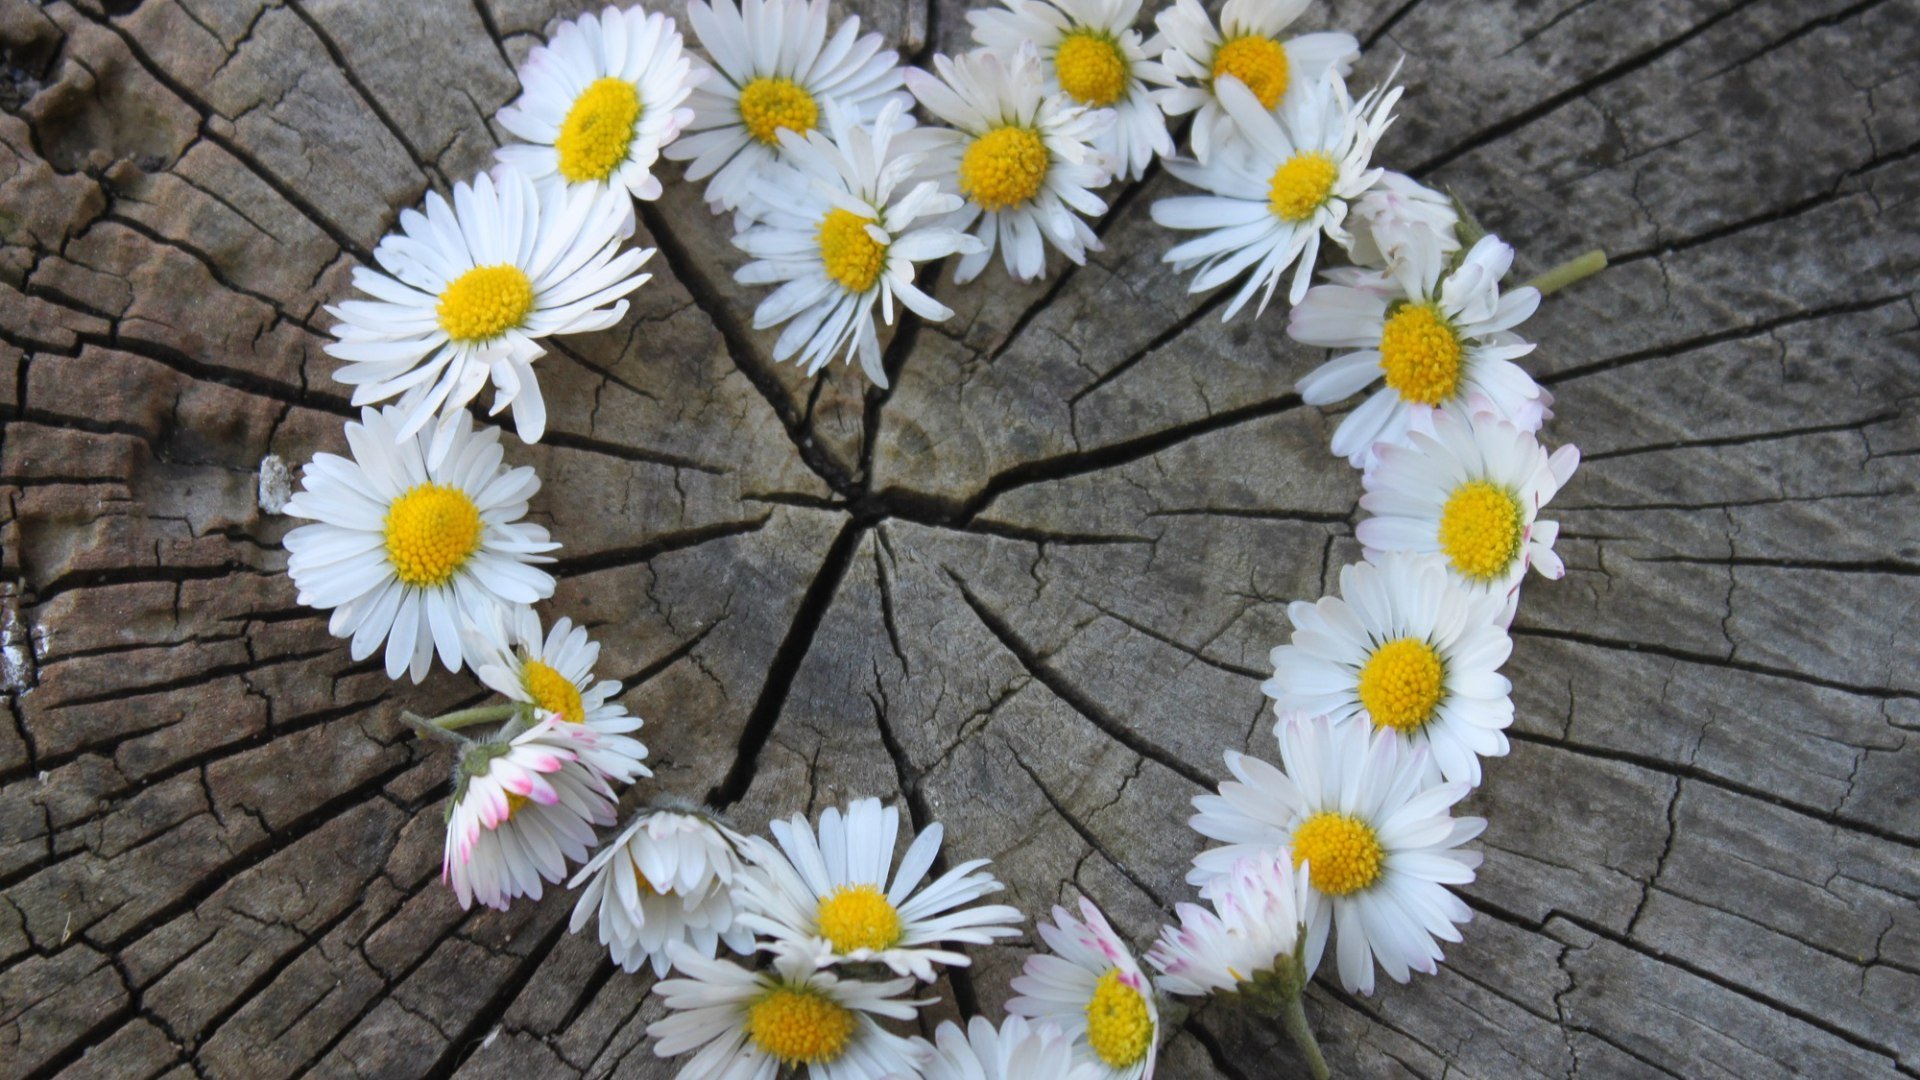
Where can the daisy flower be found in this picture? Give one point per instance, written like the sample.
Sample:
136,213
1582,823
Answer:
1437,339
1397,201
667,879
1471,491
774,70
554,675
470,287
1022,159
525,807
1093,54
1016,1050
837,896
1246,941
1092,989
409,553
1377,841
1409,652
1248,46
1272,197
749,1025
599,102
841,236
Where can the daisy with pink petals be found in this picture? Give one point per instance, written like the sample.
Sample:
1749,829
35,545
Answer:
1250,935
1093,990
525,807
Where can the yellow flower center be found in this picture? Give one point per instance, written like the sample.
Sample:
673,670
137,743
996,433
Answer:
485,302
1259,62
1342,853
640,881
1119,1027
1301,185
1091,68
1401,684
597,131
553,692
851,257
859,917
1004,168
1420,354
431,531
514,805
772,102
800,1026
1480,529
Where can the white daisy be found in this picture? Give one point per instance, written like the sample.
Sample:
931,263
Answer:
1377,841
1016,1050
599,101
525,807
1406,650
1437,341
837,897
1093,54
666,879
1275,194
774,69
471,286
1471,491
1093,990
554,675
1022,159
408,553
1248,46
748,1025
1246,941
1398,201
840,235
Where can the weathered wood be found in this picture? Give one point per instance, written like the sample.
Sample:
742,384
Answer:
1028,592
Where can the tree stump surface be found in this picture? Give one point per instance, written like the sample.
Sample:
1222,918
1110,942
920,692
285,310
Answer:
1029,593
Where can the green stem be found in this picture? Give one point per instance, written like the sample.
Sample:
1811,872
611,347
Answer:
1580,266
1293,1015
483,714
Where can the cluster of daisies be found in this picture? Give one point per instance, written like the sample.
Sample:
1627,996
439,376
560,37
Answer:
806,134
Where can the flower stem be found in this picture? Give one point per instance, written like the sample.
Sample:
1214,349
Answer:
443,728
484,714
1293,1015
1580,266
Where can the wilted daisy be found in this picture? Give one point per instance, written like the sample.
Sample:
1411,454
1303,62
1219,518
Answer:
1248,45
841,235
1016,1050
1092,989
836,896
752,1024
1022,159
408,553
1471,491
554,674
1408,651
599,101
1246,940
1396,201
666,879
1272,198
1380,847
774,70
1091,52
471,286
1437,339
525,807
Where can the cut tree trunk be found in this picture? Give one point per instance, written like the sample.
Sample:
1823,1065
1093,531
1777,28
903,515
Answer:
1029,593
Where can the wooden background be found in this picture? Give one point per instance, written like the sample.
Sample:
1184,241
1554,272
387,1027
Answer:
1029,594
